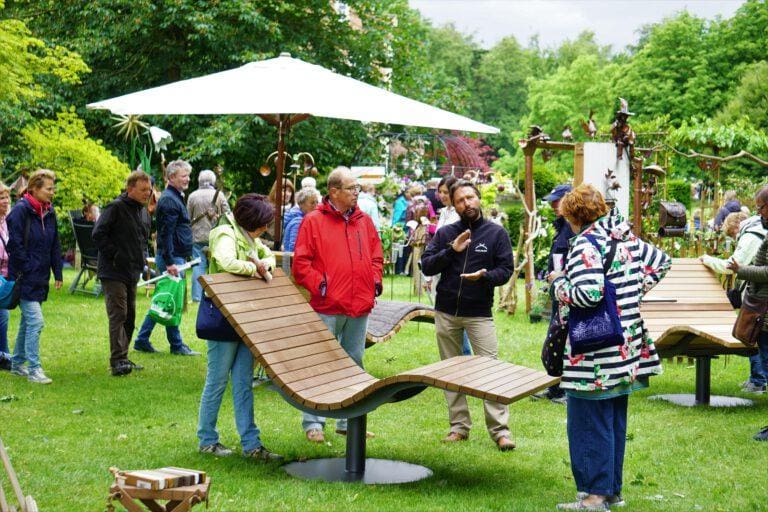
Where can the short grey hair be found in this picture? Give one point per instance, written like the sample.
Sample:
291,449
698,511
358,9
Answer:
305,194
177,166
309,182
206,177
337,176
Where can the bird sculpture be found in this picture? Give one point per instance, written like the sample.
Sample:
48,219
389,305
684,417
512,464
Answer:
589,126
567,134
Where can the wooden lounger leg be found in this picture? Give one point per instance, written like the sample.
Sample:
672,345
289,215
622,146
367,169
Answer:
356,436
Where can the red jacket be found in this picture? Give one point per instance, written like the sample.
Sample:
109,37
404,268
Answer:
338,261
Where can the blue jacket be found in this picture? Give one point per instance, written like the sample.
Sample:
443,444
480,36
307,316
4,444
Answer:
174,229
490,249
398,213
291,222
725,210
561,242
41,254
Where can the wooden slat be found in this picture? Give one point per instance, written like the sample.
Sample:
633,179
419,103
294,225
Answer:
334,378
274,323
246,285
267,314
288,331
309,361
233,307
244,296
318,369
306,350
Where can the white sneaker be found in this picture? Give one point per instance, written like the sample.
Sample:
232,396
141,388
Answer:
19,371
38,377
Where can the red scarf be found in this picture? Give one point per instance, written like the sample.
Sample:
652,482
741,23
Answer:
40,208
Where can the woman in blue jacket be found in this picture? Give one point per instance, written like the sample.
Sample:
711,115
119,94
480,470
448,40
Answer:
34,250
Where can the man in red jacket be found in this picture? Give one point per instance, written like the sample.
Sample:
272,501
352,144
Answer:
338,259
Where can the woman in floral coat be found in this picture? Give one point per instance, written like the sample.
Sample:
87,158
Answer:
598,383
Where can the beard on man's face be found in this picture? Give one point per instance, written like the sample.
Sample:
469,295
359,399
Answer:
470,214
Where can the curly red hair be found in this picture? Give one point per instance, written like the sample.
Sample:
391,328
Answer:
583,205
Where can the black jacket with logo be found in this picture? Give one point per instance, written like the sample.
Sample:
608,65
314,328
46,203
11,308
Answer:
490,249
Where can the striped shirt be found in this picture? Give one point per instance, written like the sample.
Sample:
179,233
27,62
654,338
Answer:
636,268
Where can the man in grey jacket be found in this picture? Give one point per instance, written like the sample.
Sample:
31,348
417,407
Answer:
756,276
205,205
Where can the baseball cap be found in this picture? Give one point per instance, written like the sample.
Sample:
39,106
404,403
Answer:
558,192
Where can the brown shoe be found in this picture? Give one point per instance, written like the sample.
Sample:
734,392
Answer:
315,435
454,437
505,444
368,435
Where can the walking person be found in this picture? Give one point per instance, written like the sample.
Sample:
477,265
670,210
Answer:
205,205
598,383
34,250
121,234
472,257
235,247
174,247
338,259
5,206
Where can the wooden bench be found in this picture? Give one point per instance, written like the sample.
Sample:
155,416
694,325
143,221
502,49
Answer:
388,317
314,374
688,314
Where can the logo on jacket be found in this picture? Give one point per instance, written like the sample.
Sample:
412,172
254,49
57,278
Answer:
481,248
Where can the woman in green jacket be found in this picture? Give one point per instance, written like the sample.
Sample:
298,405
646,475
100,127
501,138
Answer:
235,248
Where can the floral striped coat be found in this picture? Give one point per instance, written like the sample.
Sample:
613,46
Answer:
636,268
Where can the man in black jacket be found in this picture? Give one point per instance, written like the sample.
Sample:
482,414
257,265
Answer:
472,256
121,234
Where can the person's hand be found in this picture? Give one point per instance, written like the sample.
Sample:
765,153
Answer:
732,265
172,270
461,242
701,258
57,284
553,275
474,276
261,268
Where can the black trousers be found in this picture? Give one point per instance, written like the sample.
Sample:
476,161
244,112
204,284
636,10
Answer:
120,300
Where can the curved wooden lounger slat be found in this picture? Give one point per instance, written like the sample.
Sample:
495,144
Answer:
313,372
388,317
688,314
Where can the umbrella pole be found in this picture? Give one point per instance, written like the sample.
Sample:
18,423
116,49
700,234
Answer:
283,125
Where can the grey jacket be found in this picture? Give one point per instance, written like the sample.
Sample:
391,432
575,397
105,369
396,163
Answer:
200,207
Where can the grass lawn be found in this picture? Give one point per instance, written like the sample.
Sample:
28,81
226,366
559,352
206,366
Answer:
62,438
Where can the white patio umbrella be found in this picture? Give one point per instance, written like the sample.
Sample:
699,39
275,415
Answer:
285,91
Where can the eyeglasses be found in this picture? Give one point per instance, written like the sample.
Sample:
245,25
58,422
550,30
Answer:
355,189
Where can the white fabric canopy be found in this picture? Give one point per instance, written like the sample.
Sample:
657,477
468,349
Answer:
285,85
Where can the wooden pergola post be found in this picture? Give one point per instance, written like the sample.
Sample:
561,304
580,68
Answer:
529,150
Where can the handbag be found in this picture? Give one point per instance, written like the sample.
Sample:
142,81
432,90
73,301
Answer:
553,349
10,290
211,324
168,301
598,327
735,294
749,323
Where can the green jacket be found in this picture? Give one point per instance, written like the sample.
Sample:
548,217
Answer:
230,248
756,274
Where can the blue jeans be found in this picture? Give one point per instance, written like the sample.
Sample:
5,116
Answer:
597,433
28,339
351,335
4,350
225,359
762,356
756,375
172,333
198,270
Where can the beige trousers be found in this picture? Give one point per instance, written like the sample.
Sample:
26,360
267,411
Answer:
482,337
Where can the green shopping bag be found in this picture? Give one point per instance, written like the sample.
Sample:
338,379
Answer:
168,301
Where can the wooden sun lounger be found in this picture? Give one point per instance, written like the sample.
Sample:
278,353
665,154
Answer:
388,317
688,314
314,374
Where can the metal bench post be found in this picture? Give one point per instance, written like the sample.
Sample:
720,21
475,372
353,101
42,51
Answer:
703,379
356,430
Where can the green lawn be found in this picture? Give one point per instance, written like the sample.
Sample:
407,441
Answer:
62,438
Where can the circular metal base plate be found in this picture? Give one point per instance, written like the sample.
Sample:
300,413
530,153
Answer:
377,471
714,400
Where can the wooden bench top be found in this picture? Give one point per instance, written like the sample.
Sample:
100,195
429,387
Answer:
688,313
309,366
388,317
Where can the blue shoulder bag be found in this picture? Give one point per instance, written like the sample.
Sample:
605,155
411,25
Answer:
598,327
